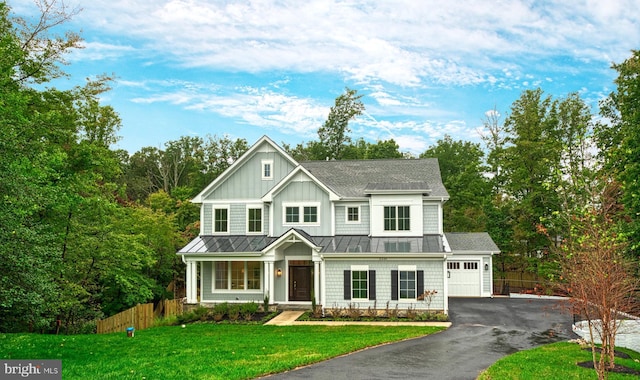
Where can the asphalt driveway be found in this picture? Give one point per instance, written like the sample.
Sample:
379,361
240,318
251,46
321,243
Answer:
483,331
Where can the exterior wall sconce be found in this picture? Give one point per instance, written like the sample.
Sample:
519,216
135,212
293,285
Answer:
486,266
279,272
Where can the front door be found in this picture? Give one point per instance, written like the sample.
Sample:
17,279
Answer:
300,283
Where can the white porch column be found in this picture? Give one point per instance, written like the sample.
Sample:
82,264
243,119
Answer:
323,292
192,281
316,281
445,290
268,280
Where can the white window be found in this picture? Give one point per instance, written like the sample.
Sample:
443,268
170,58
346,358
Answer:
301,214
237,275
221,220
396,218
407,282
353,214
359,282
267,169
254,219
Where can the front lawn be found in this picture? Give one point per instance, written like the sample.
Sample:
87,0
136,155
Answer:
200,351
554,361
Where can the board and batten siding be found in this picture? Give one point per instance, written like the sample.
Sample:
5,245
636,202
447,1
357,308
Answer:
247,183
360,228
431,223
334,288
237,218
302,190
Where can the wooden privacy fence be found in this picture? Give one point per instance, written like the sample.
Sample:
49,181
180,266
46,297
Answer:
515,282
168,308
139,317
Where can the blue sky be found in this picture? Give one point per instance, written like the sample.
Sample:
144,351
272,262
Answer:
274,67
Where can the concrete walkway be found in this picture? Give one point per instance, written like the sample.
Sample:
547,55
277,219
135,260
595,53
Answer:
289,318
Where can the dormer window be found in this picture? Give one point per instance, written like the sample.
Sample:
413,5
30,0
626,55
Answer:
396,218
267,169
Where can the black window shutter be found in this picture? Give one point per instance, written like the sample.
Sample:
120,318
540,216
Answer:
347,284
372,284
394,285
420,283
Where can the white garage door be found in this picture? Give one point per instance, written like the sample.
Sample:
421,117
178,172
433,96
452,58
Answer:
464,278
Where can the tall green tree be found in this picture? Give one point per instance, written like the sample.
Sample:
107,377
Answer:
35,127
461,165
334,133
529,161
619,140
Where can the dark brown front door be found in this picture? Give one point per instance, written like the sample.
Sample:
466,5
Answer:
299,283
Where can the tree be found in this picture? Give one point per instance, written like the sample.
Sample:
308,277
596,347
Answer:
334,133
34,128
619,141
596,273
463,176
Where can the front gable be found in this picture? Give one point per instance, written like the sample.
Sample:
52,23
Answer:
300,201
252,175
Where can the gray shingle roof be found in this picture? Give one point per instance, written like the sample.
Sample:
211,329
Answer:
471,241
350,178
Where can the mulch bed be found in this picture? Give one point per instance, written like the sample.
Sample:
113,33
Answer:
617,367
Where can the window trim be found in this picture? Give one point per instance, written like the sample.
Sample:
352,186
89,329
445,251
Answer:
360,268
229,265
213,217
255,207
263,170
346,214
301,214
396,219
407,268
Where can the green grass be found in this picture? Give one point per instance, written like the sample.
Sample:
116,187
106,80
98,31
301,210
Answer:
199,351
554,361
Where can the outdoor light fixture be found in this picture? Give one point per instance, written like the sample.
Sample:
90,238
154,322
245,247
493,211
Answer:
279,272
486,266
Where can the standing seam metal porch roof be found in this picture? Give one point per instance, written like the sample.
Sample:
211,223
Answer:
330,244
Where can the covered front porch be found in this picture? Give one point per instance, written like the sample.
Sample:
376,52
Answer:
287,270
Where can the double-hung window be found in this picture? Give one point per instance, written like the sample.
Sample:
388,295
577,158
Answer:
301,214
353,214
267,169
359,284
254,220
397,218
407,285
221,220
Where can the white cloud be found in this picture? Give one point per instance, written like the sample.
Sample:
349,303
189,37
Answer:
404,42
258,107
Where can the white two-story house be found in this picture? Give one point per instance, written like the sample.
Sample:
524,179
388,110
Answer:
363,233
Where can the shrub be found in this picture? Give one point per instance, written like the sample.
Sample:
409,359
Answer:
234,312
248,310
265,303
353,312
166,321
411,313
